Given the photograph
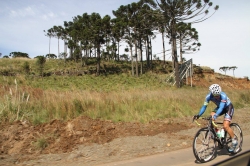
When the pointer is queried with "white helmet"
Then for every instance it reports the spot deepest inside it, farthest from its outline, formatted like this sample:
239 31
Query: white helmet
215 89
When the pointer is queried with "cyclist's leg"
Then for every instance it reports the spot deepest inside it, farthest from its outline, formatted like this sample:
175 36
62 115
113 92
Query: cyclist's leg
229 111
226 124
226 127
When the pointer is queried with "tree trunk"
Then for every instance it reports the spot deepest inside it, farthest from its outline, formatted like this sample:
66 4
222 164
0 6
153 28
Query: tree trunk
118 49
141 57
148 53
175 59
98 60
163 46
49 45
132 63
136 60
181 59
65 51
58 48
81 54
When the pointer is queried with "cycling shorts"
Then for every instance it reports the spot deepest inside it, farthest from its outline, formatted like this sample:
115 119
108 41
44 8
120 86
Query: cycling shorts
228 112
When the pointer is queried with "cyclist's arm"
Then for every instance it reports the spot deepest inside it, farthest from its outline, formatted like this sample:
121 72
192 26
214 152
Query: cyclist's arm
222 104
203 108
221 107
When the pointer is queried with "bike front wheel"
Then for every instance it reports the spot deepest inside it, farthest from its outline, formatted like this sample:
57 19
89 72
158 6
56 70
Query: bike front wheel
204 145
238 136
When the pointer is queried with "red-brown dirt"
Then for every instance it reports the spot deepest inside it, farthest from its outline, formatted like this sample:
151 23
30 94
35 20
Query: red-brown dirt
227 82
18 140
62 137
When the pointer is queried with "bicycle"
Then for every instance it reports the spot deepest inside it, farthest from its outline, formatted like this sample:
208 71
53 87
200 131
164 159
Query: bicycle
204 143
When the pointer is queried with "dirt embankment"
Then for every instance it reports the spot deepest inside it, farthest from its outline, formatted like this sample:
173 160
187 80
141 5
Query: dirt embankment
204 78
90 142
95 141
21 142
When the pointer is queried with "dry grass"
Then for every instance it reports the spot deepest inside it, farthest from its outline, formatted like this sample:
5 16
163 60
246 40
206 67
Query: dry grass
112 97
39 106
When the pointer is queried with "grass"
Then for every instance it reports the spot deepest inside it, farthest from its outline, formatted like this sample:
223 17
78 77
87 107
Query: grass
40 143
116 97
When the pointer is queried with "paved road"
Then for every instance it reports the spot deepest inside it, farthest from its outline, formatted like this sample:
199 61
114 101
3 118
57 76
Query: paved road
182 157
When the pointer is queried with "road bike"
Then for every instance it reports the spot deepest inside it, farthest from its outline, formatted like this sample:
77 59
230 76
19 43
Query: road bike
206 142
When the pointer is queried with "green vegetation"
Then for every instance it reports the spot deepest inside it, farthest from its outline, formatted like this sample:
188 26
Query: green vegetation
134 25
116 97
40 143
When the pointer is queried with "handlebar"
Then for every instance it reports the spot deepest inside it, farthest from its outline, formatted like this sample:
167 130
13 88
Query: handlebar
206 118
214 124
197 123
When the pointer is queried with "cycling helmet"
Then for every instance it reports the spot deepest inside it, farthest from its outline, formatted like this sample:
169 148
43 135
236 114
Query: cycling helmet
215 89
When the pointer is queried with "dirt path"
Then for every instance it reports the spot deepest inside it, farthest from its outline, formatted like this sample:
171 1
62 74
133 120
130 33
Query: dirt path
92 142
182 157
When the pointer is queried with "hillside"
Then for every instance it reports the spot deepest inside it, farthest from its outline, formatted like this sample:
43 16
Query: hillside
94 141
203 77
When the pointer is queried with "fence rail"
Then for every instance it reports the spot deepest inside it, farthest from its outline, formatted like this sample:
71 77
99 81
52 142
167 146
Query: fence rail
185 71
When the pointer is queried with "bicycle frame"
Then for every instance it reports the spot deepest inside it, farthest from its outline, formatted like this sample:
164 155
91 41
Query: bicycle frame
211 128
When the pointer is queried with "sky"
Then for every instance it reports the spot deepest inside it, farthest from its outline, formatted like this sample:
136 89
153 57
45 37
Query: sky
225 37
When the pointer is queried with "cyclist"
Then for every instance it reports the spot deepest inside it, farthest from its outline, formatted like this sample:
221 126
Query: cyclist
224 106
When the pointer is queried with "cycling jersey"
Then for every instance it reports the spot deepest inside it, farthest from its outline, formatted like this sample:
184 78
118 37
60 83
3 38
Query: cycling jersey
221 103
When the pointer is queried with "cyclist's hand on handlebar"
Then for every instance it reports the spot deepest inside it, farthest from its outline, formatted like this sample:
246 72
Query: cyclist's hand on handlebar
215 116
196 117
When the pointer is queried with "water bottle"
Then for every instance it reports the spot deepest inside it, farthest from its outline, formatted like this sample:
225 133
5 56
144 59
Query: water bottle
222 133
218 133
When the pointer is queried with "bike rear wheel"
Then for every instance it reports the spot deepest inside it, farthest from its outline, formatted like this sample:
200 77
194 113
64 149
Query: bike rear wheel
238 135
204 145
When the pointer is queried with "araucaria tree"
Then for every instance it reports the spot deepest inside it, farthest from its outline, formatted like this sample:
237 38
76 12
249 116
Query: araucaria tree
233 68
187 11
98 35
134 24
19 54
49 33
224 68
138 27
187 39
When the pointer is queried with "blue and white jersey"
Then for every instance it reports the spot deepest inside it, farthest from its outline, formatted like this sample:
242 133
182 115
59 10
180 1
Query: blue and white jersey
221 102
223 98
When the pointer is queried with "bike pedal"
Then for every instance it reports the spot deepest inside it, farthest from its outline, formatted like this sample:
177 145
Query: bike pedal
220 146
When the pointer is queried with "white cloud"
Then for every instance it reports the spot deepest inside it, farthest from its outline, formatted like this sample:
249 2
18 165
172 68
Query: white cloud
48 16
45 17
29 11
51 14
13 13
22 12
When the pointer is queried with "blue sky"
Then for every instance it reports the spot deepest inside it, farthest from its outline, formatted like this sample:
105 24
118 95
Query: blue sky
225 37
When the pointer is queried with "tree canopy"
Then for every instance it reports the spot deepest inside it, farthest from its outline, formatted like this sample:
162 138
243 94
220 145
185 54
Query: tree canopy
19 54
135 25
